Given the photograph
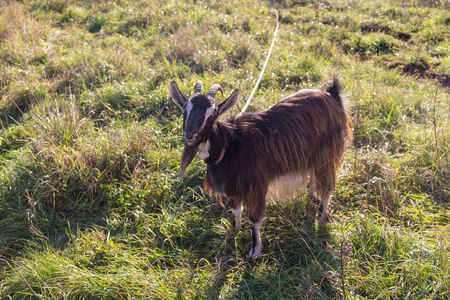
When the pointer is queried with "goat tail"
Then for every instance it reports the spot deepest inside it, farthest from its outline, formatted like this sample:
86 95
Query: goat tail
334 89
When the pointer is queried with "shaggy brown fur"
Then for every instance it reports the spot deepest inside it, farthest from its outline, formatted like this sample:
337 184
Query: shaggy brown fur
305 133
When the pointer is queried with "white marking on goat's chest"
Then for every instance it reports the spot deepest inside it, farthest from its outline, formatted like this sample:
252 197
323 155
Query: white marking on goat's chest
204 150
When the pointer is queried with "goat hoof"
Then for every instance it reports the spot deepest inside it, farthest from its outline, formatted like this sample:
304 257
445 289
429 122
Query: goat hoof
255 252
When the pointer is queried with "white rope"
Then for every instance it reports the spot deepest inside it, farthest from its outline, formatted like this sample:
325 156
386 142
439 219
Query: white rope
262 71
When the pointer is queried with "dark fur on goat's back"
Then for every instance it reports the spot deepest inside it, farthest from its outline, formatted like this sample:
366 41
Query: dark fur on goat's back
305 133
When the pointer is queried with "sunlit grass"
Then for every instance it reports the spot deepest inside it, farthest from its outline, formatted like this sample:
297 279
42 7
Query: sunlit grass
91 204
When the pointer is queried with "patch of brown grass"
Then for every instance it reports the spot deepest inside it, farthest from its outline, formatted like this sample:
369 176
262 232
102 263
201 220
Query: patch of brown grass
21 36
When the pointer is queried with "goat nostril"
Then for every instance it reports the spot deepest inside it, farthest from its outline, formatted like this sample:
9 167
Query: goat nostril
190 134
191 130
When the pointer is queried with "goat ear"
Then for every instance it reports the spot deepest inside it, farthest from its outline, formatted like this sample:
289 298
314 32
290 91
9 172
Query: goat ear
227 104
176 95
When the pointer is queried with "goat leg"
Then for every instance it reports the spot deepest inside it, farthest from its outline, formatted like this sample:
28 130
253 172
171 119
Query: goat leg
237 213
256 239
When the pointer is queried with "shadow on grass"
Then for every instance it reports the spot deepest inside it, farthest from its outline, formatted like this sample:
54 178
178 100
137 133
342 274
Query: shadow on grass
296 263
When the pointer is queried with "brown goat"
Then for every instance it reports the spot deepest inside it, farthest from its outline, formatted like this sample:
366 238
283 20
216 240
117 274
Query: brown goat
302 136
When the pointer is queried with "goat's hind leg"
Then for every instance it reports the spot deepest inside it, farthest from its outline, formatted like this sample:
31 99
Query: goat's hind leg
321 186
323 209
326 181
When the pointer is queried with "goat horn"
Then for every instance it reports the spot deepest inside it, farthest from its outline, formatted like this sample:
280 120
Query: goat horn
214 89
198 87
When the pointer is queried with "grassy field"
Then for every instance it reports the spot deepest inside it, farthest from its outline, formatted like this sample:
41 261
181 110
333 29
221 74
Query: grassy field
91 205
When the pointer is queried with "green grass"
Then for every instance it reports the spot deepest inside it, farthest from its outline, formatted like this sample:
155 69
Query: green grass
91 204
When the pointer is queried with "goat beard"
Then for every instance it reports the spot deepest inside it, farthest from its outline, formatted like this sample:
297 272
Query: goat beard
189 153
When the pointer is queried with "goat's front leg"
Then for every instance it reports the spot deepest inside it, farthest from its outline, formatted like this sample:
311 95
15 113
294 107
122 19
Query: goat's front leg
257 207
237 213
256 238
